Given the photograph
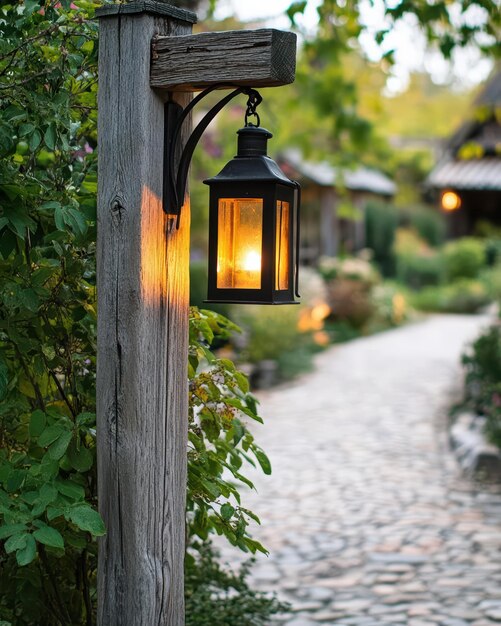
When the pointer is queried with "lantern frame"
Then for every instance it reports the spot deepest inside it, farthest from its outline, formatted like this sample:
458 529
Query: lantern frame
250 174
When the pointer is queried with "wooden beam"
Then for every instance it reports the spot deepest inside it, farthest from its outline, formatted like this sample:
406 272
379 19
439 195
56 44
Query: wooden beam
257 58
142 283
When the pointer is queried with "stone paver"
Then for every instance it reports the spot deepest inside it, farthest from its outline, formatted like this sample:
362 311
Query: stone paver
366 517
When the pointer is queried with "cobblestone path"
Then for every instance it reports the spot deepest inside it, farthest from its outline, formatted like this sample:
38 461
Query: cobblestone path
366 517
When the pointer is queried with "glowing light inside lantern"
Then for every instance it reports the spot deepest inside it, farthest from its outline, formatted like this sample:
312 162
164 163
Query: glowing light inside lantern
252 261
450 201
240 224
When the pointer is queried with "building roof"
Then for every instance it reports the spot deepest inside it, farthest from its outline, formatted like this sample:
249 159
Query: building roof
467 174
326 175
484 171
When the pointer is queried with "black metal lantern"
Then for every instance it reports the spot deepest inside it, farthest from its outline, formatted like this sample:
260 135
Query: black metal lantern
253 210
253 221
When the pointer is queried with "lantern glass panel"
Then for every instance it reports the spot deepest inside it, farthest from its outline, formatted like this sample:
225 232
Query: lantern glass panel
282 255
239 245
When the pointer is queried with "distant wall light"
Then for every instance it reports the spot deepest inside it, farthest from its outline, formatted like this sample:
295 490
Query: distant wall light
450 201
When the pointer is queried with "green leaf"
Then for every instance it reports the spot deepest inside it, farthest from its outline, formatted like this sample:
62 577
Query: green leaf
81 459
50 205
27 554
86 419
70 489
29 300
53 512
76 221
58 448
49 536
263 460
10 529
239 431
16 542
38 422
86 518
48 468
50 434
50 137
15 479
48 493
35 140
227 511
59 218
25 129
242 381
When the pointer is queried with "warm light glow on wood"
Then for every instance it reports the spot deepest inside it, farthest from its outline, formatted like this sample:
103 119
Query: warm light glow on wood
450 201
240 224
153 247
158 232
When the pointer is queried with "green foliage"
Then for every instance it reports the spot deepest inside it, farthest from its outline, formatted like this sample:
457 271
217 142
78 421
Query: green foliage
381 221
461 296
418 264
482 362
491 279
48 521
219 439
464 258
446 27
482 391
217 596
427 222
272 331
420 270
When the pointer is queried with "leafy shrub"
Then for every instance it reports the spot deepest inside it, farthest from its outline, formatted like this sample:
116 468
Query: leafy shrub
420 270
218 596
491 279
418 265
381 222
464 258
48 521
482 362
464 296
482 391
219 441
428 223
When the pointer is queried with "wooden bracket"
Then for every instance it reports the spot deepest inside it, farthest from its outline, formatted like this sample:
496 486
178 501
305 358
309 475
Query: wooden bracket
256 58
151 7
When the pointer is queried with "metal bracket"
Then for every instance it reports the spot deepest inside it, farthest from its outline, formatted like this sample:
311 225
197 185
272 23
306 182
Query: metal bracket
174 117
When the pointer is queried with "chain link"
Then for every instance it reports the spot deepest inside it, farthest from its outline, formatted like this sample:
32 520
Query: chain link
253 102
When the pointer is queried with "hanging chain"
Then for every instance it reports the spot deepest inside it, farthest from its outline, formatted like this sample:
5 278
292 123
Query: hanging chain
253 102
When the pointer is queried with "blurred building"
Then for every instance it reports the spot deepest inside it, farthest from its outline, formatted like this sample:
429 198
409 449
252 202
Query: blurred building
333 204
466 182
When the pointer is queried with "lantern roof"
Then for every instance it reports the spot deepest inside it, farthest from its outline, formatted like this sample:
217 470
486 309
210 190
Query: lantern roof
251 163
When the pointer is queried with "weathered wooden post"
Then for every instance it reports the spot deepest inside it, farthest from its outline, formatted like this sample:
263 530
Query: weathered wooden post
146 56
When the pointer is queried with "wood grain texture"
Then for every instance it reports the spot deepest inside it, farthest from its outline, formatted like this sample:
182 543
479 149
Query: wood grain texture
257 58
142 396
147 6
